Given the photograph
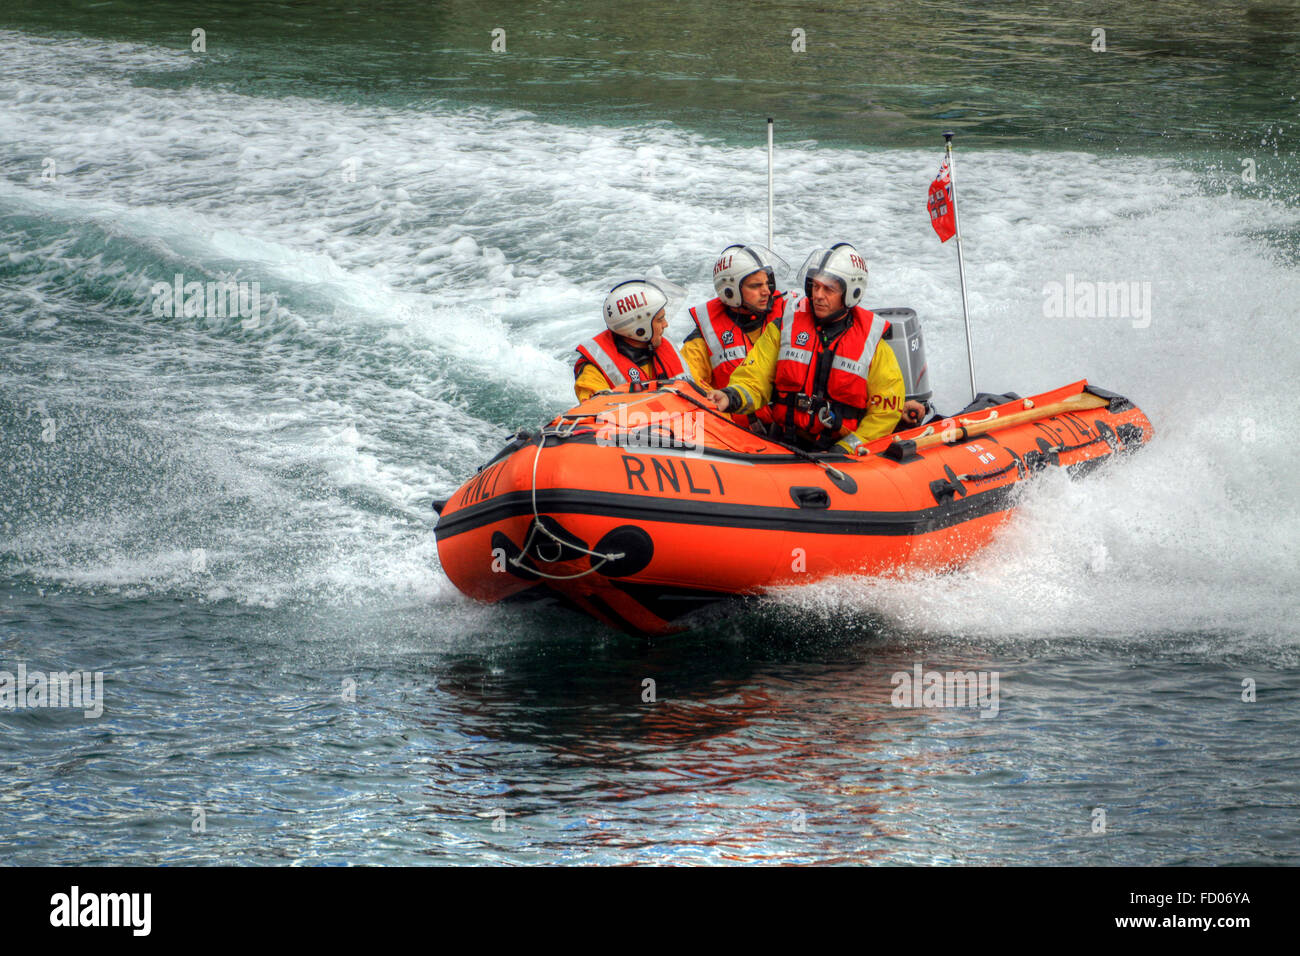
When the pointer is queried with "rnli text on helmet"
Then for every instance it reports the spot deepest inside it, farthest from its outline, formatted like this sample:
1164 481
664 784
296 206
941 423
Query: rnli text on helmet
631 303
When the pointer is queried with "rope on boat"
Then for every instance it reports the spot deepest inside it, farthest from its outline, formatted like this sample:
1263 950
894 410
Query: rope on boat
518 560
561 432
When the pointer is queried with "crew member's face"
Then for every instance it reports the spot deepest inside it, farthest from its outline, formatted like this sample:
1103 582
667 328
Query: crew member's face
827 299
658 326
755 293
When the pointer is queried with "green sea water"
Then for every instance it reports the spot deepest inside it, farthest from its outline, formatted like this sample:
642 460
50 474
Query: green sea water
1170 76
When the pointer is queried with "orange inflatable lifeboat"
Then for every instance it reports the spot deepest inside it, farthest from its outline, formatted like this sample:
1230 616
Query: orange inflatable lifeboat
643 506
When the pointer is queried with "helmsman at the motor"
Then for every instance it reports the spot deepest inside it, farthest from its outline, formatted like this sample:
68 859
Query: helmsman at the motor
824 366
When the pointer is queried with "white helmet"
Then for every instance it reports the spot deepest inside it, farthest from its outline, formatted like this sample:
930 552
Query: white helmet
842 263
631 306
737 263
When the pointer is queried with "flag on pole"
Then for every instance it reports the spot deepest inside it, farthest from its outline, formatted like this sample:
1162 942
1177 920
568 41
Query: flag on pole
942 214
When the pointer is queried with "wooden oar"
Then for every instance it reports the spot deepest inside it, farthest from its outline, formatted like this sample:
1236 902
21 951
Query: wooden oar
962 428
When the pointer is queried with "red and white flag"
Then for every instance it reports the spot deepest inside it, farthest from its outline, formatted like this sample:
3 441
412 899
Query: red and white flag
942 214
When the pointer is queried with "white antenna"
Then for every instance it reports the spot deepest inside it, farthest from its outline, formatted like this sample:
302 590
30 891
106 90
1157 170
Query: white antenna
961 265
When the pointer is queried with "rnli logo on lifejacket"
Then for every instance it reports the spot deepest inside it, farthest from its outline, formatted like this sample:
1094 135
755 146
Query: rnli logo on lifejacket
801 338
728 337
858 262
635 301
723 263
634 374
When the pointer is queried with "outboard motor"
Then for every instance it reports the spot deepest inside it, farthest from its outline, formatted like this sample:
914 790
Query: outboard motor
909 348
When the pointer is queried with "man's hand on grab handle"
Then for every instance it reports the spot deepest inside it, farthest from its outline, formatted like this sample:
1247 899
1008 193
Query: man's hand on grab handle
719 399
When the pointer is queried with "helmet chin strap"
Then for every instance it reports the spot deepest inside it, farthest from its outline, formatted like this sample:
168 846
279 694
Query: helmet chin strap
749 318
637 350
832 318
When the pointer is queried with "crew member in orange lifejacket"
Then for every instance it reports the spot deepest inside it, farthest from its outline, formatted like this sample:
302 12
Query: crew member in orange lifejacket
824 366
633 348
726 327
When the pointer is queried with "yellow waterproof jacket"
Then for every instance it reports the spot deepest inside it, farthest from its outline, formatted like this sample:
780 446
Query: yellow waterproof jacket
590 380
753 379
695 353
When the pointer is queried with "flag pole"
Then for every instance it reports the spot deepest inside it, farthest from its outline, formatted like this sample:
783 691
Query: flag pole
961 265
769 182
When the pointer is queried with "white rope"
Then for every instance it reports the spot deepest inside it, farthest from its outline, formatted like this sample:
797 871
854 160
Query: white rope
518 561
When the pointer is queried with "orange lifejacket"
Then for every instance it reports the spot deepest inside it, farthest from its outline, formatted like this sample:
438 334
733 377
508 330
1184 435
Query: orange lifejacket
845 390
728 346
618 369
